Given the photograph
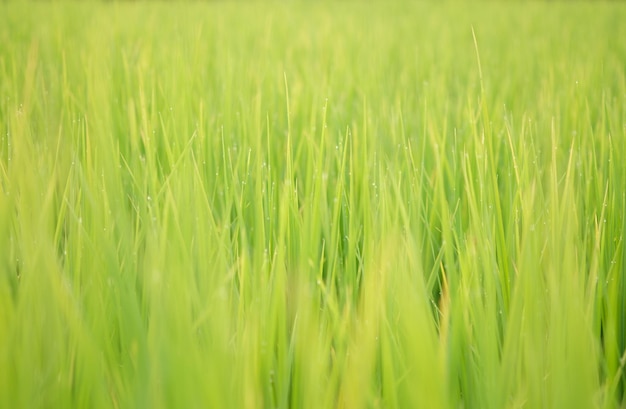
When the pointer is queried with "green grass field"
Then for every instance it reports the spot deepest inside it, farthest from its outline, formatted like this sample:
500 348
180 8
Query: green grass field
337 205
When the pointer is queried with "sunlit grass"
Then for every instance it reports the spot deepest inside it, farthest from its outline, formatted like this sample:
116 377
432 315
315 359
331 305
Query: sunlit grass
254 205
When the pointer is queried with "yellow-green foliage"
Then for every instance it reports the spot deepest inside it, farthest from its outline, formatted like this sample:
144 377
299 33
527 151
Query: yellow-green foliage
349 205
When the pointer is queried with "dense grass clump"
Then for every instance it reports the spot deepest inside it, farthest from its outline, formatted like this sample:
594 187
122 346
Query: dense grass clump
341 205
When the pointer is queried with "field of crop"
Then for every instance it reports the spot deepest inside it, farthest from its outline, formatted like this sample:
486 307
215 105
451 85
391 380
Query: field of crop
334 205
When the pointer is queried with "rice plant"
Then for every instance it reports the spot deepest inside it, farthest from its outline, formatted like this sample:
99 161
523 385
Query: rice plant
336 205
